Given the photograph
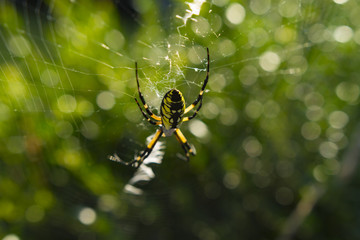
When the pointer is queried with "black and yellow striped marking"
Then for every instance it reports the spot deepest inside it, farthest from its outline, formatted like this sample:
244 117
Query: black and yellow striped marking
199 98
172 109
149 148
145 116
152 115
185 145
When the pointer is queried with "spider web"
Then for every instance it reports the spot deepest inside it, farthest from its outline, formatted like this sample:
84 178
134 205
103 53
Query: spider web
68 81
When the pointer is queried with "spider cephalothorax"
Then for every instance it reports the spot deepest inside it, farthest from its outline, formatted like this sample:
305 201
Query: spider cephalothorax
172 111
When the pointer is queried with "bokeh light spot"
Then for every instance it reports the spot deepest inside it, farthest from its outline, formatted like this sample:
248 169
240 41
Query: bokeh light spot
314 113
316 33
198 128
11 236
285 35
235 13
258 37
228 116
227 47
194 54
85 108
328 149
70 159
216 22
231 179
289 8
343 34
338 119
269 61
319 173
50 78
357 36
310 130
79 40
200 26
252 146
211 110
87 216
260 7
217 82
314 99
19 46
105 100
34 213
254 109
66 103
348 91
340 1
107 202
115 39
220 3
248 75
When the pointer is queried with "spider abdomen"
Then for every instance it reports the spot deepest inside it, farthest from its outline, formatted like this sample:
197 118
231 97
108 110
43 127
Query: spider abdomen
172 109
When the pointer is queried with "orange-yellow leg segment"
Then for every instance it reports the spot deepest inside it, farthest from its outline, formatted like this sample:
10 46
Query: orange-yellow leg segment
195 113
152 115
199 98
146 117
185 145
140 159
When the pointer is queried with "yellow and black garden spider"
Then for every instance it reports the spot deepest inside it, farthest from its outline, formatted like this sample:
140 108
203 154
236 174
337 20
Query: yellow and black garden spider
172 110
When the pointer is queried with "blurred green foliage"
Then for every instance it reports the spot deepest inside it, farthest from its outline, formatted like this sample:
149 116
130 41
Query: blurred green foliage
277 138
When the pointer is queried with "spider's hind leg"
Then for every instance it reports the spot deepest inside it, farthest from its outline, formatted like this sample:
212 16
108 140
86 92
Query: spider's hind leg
184 144
144 154
140 159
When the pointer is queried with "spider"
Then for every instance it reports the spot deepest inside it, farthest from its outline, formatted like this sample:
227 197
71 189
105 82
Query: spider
172 110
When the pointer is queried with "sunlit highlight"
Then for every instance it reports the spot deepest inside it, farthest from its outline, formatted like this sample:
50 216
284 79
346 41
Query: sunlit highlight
269 61
194 10
340 1
235 13
11 237
343 34
87 216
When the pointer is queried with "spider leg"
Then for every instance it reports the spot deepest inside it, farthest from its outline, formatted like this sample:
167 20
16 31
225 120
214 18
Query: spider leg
185 145
199 98
142 97
146 117
140 159
195 113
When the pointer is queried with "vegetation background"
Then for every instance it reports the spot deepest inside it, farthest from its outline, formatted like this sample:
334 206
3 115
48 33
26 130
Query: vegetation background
277 139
